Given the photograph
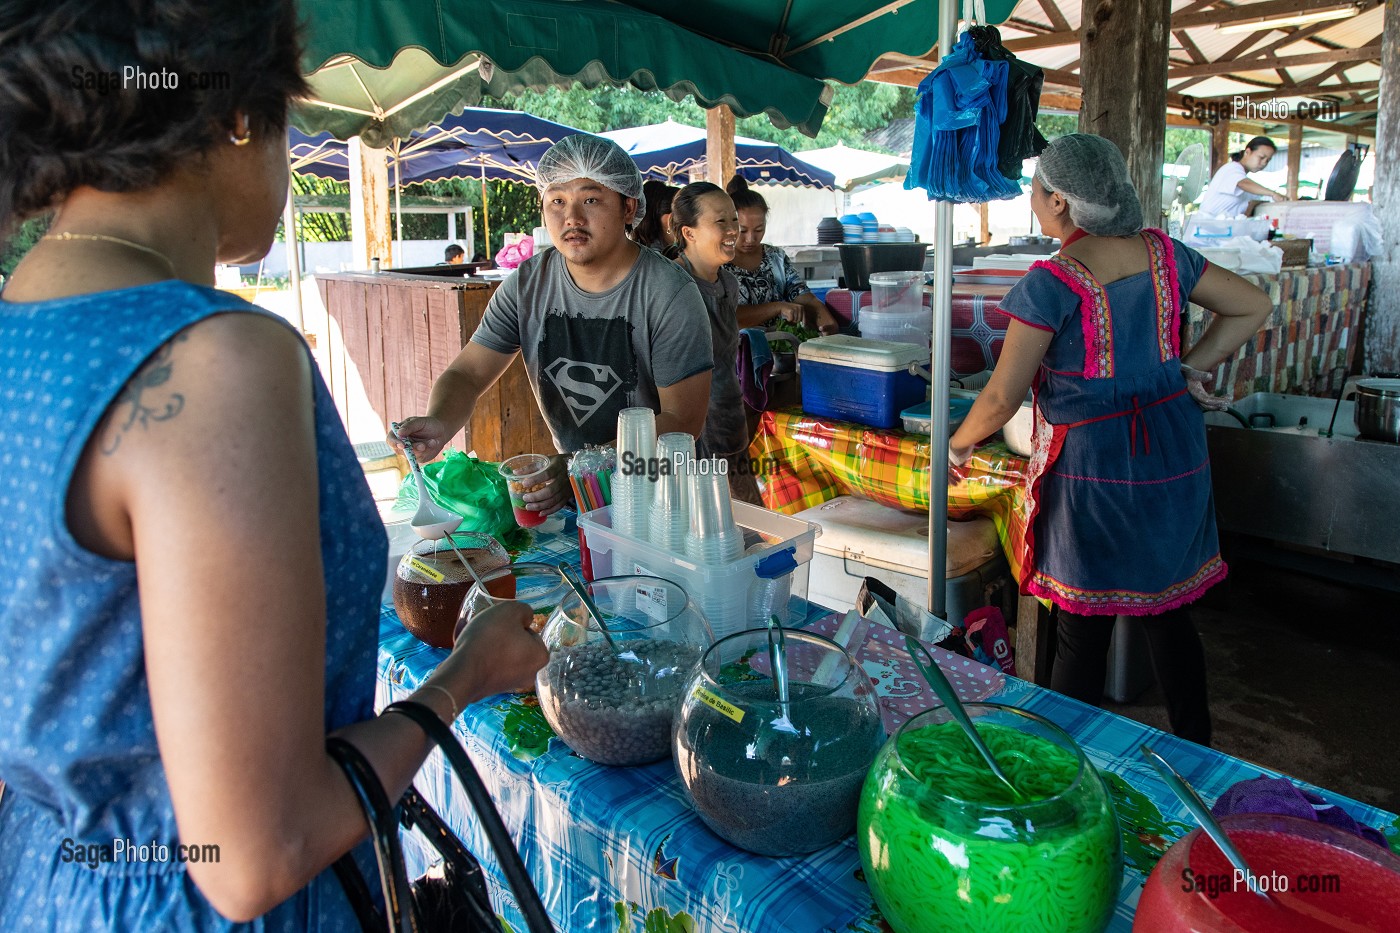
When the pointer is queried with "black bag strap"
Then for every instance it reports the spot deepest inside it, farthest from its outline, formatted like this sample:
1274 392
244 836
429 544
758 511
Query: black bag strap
384 832
528 899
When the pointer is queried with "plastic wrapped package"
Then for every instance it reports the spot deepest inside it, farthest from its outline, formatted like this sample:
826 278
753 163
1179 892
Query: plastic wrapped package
809 460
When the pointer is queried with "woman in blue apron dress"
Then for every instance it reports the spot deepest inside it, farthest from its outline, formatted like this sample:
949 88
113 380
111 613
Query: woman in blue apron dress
1120 518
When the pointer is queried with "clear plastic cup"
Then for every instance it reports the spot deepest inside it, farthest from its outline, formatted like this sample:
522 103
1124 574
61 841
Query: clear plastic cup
636 439
670 520
710 509
523 474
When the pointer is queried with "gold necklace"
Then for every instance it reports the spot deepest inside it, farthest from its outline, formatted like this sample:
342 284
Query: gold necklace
66 237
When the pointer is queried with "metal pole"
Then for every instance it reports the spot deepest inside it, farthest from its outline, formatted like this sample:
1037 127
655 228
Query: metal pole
485 216
939 368
398 205
290 238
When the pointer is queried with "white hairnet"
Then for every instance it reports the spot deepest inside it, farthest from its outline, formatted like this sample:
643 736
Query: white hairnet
1090 174
594 158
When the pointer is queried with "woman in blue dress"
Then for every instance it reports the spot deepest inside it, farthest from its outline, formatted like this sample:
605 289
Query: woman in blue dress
1120 515
191 556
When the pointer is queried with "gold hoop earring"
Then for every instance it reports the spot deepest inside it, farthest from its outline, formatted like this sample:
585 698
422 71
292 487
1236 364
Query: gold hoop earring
243 140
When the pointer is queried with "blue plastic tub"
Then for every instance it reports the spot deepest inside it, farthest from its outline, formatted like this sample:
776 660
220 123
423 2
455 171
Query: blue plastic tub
866 381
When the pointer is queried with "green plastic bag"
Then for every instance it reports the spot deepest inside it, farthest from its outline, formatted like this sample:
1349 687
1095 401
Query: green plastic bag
470 487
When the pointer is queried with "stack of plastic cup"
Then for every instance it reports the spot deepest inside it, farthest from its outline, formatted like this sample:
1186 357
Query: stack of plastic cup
716 540
631 487
670 511
713 536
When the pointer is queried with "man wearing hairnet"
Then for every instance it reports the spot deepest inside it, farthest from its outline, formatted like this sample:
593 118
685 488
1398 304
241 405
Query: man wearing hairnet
601 323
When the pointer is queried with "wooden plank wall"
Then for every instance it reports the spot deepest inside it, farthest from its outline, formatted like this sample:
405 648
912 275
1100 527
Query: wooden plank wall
397 334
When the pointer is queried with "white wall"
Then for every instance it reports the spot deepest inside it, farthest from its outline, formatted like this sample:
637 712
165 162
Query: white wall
793 213
337 257
892 204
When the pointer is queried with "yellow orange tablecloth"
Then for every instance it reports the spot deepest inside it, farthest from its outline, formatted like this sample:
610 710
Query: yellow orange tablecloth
803 461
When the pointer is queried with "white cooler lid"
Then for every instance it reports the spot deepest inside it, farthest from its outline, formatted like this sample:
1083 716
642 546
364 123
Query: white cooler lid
880 355
891 539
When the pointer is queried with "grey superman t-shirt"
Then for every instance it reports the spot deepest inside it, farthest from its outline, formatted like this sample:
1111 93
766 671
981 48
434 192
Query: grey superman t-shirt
590 355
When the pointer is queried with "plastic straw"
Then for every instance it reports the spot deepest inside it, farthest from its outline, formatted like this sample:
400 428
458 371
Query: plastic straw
595 490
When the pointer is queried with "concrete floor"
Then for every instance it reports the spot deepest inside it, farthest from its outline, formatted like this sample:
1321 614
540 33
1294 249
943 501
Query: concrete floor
1304 677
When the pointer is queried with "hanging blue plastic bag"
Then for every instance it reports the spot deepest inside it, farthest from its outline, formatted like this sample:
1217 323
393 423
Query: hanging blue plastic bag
957 127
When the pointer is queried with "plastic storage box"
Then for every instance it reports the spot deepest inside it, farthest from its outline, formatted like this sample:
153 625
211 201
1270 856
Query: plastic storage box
863 539
866 381
918 420
734 596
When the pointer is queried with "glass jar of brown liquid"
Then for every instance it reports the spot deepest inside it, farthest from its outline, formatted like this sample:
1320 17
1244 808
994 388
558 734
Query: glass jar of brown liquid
431 583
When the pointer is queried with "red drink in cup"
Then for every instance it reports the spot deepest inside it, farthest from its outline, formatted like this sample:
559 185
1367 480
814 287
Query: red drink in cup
1318 877
523 474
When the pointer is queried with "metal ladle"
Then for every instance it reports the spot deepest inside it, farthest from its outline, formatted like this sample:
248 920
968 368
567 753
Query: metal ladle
431 521
1202 813
949 696
777 659
591 607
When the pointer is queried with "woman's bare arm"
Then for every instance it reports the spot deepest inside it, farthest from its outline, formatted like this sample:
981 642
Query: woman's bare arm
220 502
1020 358
1240 309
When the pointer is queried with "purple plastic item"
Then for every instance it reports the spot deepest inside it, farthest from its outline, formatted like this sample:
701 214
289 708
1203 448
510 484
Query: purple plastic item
1280 796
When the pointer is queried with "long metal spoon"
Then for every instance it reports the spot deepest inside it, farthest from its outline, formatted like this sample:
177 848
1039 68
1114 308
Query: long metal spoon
949 696
588 603
777 659
1202 813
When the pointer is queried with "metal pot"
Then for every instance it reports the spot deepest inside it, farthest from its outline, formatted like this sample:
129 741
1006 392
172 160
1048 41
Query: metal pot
1377 412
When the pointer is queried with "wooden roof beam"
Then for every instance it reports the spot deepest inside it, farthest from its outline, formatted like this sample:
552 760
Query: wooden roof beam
1222 16
1306 90
1365 53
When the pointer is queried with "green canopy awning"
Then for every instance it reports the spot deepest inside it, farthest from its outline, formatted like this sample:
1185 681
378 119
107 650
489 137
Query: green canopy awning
828 39
381 70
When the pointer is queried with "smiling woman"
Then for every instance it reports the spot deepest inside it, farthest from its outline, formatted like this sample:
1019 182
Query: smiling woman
705 226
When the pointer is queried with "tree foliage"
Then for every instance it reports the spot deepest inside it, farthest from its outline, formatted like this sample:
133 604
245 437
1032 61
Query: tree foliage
317 227
20 242
855 111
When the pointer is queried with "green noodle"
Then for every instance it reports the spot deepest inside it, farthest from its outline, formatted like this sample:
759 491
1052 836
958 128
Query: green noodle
936 865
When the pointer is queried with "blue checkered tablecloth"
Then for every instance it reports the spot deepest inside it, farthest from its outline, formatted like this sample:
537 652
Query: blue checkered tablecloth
619 848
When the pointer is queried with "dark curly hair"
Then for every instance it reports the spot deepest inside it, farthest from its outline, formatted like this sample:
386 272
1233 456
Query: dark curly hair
744 196
70 115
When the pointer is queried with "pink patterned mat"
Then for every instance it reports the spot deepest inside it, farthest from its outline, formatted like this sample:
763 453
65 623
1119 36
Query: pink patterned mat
902 692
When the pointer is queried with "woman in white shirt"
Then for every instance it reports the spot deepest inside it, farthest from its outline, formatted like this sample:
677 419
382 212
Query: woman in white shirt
1230 193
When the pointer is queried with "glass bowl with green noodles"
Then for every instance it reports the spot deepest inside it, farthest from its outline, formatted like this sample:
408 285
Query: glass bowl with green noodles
946 846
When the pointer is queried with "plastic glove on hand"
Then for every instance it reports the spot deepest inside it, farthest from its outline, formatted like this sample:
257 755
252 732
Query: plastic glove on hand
1196 382
957 462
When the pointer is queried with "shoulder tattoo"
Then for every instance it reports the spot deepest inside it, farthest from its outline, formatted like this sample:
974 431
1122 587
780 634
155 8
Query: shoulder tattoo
145 398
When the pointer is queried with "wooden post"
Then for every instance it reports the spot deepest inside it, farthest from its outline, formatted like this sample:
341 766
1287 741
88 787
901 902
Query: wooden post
1219 146
985 234
369 205
719 145
1295 158
1382 344
1123 48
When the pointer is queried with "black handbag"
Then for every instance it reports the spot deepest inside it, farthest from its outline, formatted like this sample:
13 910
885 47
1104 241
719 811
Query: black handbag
455 900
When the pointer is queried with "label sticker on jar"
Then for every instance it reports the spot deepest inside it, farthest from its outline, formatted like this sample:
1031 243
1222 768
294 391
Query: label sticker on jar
425 570
718 705
651 599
